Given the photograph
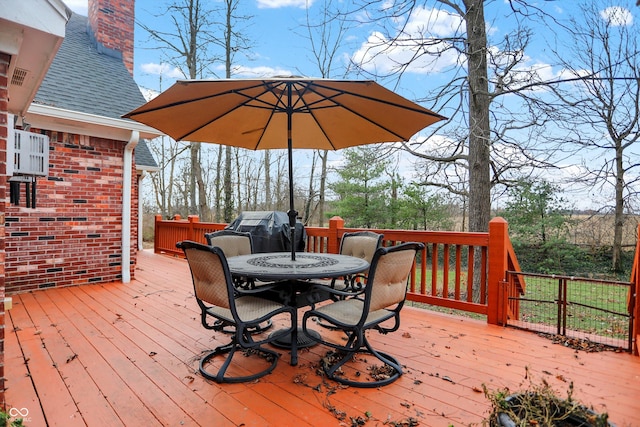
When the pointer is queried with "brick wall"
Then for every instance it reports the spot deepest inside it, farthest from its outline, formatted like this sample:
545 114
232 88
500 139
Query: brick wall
4 85
73 236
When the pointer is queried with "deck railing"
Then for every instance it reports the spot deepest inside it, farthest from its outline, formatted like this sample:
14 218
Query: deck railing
457 270
632 300
169 232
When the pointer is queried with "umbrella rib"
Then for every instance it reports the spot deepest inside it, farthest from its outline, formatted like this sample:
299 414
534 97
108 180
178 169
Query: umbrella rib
365 118
246 103
377 100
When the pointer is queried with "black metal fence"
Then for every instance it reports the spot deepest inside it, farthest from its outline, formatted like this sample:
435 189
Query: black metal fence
591 310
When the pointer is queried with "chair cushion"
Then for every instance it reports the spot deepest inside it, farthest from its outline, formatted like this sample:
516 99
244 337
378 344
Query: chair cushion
349 311
390 282
232 245
249 309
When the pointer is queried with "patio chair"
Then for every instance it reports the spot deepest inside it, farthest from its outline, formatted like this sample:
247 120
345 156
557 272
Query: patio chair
235 243
381 300
217 299
361 244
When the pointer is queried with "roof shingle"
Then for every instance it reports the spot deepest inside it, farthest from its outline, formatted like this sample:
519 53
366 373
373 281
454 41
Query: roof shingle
87 78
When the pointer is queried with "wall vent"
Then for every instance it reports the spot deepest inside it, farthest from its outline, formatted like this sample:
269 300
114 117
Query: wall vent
19 76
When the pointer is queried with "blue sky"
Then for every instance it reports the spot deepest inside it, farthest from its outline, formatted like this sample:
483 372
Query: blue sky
277 29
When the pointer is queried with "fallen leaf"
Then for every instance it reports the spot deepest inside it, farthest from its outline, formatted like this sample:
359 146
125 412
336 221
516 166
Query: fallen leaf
446 378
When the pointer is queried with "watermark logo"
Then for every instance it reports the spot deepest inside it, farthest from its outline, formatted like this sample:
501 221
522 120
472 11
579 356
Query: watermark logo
20 413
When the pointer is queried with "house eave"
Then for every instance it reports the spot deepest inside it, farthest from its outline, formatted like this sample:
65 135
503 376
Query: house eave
61 120
32 34
146 168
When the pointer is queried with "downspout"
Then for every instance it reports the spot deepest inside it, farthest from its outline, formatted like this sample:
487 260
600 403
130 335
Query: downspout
140 211
127 180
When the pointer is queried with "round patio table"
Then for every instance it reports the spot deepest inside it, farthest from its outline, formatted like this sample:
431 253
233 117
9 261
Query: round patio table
279 267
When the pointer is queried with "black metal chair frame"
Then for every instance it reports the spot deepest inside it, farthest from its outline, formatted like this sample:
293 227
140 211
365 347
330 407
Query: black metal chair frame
355 282
244 330
357 341
243 285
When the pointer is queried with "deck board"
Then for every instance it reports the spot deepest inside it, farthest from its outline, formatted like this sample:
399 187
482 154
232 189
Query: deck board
127 354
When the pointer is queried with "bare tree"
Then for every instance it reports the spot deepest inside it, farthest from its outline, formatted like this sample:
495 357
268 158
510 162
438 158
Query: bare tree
234 41
599 108
166 152
188 46
450 38
326 32
267 180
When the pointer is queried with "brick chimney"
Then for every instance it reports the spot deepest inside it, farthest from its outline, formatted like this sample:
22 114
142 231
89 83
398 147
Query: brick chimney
112 23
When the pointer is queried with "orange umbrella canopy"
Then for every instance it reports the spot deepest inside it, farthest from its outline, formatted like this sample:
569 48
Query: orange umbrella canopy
284 113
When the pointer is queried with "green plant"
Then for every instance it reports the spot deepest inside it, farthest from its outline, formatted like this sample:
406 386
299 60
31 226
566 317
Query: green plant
5 420
539 405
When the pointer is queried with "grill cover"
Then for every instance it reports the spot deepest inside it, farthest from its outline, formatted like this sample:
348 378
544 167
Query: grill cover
270 231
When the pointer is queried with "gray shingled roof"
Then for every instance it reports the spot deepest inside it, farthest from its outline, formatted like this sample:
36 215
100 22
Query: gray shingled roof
144 157
82 78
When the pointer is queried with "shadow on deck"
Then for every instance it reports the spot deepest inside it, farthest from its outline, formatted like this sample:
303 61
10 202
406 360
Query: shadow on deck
127 354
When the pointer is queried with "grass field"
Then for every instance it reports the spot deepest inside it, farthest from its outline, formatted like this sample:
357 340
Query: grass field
593 310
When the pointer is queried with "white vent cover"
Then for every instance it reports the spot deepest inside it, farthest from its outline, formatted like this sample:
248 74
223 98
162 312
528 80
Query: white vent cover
27 153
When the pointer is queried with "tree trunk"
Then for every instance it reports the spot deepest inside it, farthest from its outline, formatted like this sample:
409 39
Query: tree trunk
479 130
323 183
218 182
228 189
267 181
194 151
619 211
203 205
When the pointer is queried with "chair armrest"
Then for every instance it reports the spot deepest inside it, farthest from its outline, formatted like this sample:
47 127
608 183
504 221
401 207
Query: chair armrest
320 288
262 288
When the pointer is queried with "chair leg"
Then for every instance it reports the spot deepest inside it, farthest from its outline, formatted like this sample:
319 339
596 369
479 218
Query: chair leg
230 349
331 370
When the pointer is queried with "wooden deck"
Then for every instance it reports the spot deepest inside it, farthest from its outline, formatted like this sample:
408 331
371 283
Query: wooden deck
126 354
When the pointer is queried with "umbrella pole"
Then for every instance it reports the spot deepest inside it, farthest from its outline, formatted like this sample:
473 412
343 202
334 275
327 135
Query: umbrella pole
293 215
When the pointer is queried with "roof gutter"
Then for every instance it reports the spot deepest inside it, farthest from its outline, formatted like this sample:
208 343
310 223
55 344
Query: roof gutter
54 118
127 180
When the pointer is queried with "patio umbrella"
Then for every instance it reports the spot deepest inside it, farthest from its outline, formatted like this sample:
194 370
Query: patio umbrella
287 112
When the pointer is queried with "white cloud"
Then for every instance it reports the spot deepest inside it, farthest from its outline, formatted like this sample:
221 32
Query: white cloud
617 16
429 23
163 69
417 48
379 54
277 4
149 94
258 72
78 6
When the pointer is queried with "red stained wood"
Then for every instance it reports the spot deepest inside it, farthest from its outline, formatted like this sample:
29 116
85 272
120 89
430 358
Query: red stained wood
127 354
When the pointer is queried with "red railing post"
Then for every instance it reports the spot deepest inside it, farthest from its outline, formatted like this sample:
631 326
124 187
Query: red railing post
634 290
191 234
156 233
498 236
333 244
